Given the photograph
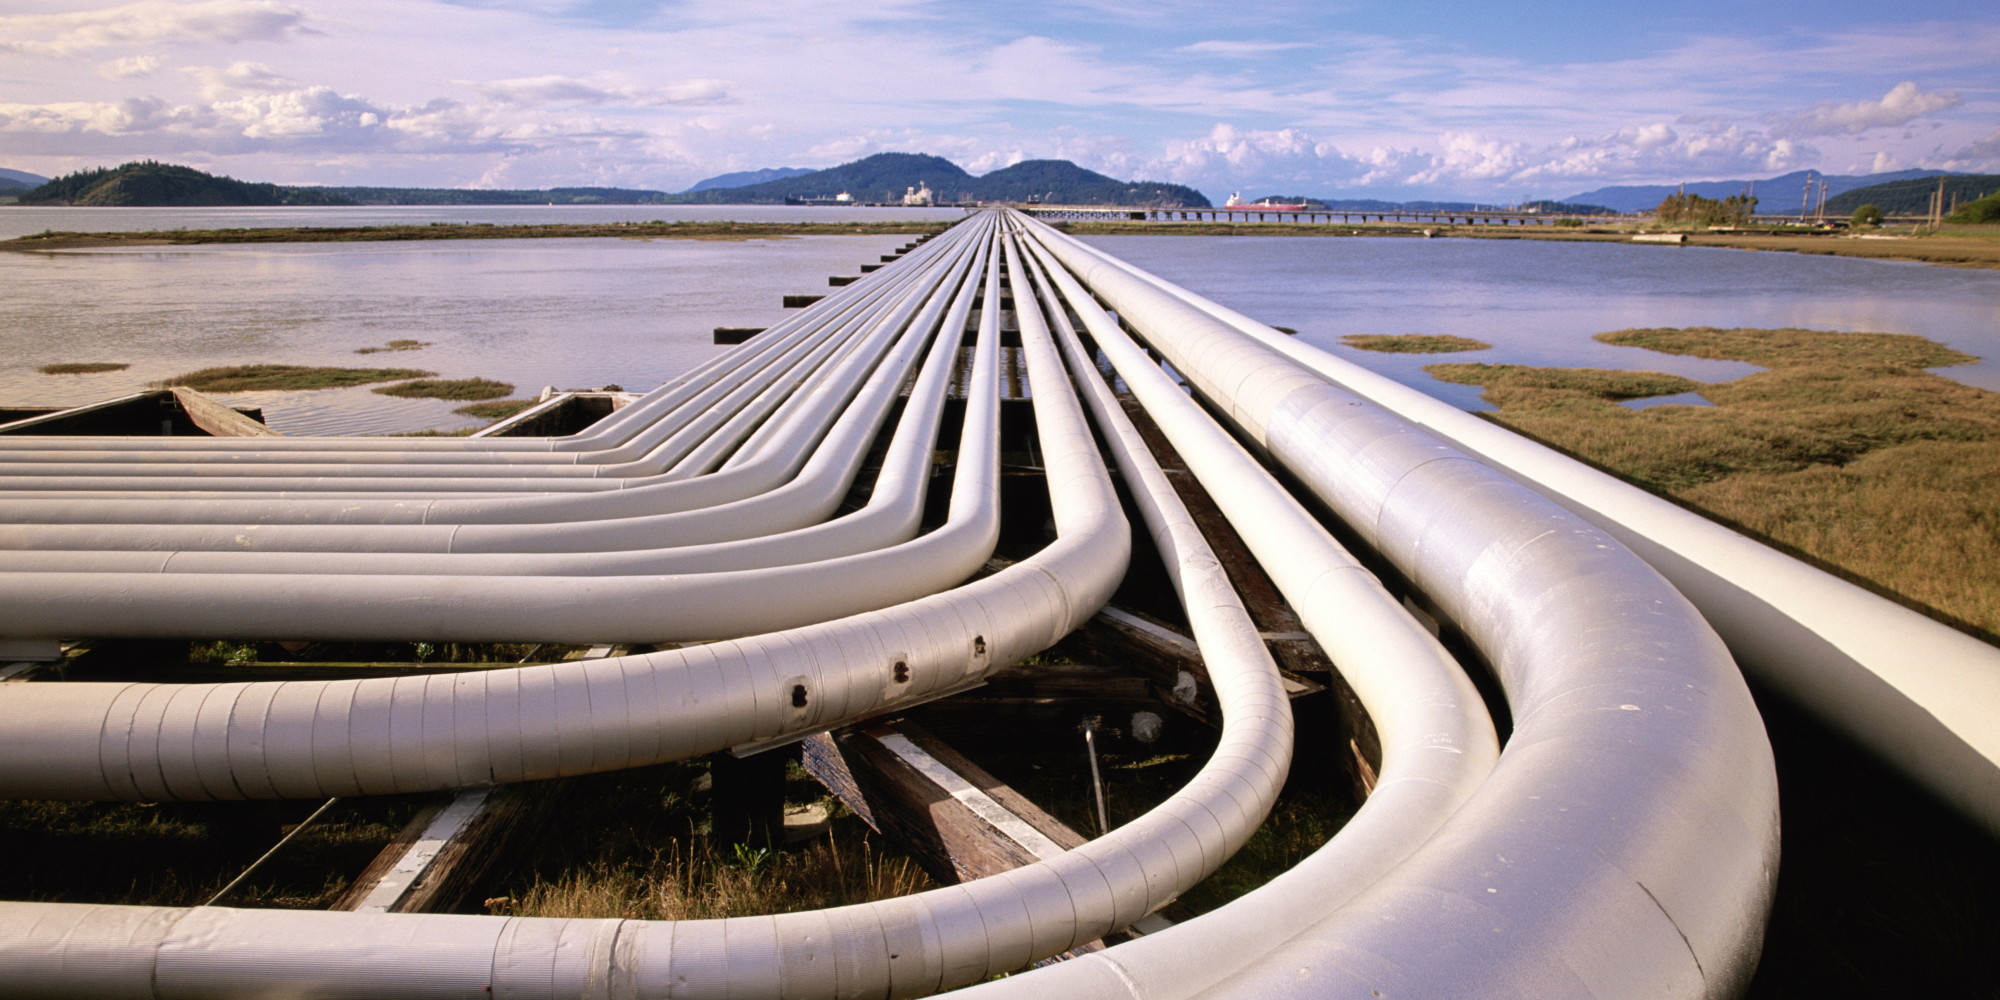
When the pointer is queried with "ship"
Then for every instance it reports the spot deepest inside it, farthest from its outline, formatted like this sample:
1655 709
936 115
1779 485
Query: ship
1236 201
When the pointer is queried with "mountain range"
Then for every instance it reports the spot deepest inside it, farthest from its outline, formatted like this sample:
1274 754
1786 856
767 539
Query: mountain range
1775 195
20 180
887 176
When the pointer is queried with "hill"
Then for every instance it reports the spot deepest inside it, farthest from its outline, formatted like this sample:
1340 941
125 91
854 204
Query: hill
1913 197
744 178
886 176
1780 194
148 183
20 180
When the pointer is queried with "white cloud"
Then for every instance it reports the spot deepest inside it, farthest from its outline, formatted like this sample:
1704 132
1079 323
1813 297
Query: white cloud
1240 50
129 68
559 89
151 22
240 77
1903 104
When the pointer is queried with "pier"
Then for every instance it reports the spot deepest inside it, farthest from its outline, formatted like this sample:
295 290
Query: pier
933 471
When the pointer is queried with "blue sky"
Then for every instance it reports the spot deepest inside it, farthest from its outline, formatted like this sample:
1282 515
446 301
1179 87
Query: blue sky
1485 102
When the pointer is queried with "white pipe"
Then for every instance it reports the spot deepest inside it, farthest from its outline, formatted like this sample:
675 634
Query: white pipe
1915 692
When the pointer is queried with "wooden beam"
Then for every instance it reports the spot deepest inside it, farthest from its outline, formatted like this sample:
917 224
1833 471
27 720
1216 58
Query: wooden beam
216 419
955 818
449 852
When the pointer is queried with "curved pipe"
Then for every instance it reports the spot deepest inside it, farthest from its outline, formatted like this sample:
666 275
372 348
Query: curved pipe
1636 744
1915 692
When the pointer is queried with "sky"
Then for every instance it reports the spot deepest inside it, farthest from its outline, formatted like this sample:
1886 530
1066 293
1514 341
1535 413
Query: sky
1406 99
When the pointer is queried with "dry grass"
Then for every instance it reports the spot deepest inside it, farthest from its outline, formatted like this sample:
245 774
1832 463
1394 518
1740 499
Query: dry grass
694 880
83 367
245 378
1413 343
1844 452
449 388
649 856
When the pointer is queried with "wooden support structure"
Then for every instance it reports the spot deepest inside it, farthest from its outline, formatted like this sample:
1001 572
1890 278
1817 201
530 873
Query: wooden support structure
801 301
957 820
154 413
216 419
727 335
840 280
445 856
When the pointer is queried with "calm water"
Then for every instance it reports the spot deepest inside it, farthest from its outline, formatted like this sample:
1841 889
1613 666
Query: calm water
1540 303
572 313
16 220
587 312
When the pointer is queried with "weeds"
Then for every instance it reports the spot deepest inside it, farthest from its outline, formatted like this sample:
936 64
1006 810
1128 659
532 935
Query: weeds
83 367
395 345
452 388
246 378
1413 343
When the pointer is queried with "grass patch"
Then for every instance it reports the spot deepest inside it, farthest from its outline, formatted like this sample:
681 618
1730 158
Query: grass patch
650 857
83 367
395 345
495 409
1413 343
245 378
449 388
1844 452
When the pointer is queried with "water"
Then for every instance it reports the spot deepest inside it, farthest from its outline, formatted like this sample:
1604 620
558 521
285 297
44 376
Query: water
569 312
1539 303
585 312
17 220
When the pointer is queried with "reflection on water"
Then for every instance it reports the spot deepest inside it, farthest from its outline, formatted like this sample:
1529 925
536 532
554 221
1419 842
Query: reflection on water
586 312
1539 303
573 313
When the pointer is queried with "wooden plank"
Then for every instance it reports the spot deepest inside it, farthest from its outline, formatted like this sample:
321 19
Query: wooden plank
216 419
955 818
447 854
730 335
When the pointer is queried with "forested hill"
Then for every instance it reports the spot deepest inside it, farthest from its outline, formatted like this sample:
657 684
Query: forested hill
147 183
884 177
1913 197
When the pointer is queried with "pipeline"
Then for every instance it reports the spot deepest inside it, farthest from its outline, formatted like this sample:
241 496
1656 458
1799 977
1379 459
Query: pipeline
1622 843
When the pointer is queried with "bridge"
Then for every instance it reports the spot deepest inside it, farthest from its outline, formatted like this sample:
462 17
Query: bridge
1308 216
1621 840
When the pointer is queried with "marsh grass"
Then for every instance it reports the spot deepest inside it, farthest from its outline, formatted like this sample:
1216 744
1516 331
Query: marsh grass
1844 452
395 345
1413 343
83 367
245 378
495 409
449 388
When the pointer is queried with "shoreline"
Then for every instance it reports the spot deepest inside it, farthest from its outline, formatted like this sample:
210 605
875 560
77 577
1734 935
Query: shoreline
1980 251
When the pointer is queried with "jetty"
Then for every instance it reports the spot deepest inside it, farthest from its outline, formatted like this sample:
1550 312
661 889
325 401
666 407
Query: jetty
998 442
